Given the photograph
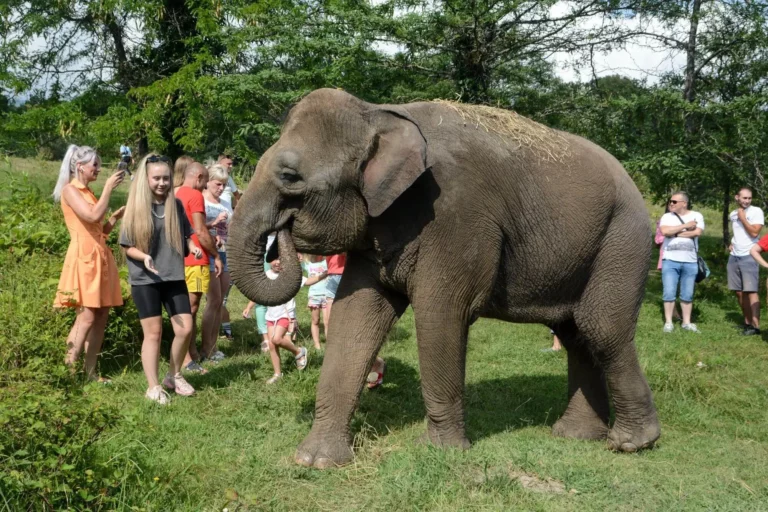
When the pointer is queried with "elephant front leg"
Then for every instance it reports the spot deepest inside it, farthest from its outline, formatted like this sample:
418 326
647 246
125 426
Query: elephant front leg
362 316
442 338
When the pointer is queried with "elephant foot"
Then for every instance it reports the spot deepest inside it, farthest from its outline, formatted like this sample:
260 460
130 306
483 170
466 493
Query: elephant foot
324 451
580 428
623 439
444 440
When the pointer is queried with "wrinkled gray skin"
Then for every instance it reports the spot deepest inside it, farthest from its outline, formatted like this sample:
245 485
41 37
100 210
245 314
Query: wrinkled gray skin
441 214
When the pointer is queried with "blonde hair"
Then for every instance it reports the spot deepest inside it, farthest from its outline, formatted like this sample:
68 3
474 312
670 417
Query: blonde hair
218 172
68 170
179 168
137 221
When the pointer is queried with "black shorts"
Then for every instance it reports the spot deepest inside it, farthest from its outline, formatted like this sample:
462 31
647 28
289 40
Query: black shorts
150 299
126 159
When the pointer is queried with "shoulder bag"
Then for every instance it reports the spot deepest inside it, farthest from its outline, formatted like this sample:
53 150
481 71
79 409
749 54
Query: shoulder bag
701 265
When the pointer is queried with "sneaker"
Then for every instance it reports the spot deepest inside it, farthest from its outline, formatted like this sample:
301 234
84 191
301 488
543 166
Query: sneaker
750 331
691 328
182 387
276 377
670 327
195 367
742 327
218 356
169 383
265 346
301 359
158 395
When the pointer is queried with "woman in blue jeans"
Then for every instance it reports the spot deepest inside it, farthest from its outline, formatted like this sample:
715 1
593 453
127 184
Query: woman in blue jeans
681 228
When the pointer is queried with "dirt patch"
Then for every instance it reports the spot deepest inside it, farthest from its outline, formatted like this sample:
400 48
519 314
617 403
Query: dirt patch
536 484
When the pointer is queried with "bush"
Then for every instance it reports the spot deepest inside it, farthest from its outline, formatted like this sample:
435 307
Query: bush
48 427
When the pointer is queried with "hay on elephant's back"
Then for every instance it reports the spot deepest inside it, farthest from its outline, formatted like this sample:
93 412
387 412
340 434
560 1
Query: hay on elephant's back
511 126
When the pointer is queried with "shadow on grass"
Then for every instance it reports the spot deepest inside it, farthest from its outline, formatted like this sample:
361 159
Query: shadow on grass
492 406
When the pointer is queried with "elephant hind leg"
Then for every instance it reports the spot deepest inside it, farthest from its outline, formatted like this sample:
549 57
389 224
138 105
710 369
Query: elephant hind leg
588 409
606 318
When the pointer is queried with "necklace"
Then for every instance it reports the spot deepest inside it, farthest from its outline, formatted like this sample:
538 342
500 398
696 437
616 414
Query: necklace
156 215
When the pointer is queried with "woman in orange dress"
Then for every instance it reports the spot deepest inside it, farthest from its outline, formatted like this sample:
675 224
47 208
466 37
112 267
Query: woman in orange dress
89 281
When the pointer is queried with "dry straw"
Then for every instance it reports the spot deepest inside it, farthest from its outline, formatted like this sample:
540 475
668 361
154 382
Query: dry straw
549 144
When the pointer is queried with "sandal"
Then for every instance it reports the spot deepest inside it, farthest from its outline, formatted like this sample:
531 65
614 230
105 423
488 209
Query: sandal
265 346
301 359
376 379
276 377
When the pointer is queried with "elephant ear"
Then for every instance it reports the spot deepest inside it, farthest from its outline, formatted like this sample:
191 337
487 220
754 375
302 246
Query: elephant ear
397 157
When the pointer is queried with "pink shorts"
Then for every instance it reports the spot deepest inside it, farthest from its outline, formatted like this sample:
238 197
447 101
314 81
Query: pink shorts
283 322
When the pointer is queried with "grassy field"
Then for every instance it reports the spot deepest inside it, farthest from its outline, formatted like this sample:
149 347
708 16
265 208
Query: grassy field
232 445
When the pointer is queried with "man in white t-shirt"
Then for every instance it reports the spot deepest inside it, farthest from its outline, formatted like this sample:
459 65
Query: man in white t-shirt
681 229
743 270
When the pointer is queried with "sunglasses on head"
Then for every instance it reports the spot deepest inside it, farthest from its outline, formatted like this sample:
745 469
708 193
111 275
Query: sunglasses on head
153 159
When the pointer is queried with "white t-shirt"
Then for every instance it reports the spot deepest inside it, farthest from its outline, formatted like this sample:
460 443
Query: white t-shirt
287 310
741 241
212 210
680 249
229 189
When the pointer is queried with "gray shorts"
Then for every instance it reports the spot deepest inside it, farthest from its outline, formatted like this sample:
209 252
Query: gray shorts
743 274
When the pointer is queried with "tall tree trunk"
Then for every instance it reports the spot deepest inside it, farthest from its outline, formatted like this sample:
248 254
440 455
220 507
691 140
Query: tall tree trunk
689 91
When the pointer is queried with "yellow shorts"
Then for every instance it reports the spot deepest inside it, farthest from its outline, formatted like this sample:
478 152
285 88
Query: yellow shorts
198 278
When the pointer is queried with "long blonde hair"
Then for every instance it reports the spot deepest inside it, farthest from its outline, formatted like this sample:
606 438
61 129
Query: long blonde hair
178 169
68 170
137 221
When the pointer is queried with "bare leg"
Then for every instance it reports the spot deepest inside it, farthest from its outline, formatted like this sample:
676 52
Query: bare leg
79 333
750 305
182 332
150 348
94 341
210 326
556 343
326 315
194 304
315 328
687 307
669 308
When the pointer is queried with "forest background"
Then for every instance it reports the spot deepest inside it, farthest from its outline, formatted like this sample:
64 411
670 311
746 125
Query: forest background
206 76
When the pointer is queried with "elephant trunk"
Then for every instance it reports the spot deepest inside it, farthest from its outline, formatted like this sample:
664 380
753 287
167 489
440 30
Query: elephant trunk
246 251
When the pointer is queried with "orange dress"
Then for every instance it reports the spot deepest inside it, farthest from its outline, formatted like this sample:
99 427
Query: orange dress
89 277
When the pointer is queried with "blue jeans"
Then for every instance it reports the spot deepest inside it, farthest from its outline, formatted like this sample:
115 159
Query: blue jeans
674 273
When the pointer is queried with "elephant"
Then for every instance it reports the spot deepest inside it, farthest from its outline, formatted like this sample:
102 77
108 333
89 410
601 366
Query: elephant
461 212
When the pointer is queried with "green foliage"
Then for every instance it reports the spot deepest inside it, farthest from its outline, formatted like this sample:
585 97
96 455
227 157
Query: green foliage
49 425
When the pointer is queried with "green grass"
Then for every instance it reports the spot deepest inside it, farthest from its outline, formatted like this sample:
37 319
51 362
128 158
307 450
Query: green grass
232 445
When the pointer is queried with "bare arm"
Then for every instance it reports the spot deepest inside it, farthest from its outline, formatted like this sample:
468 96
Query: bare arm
674 230
205 238
112 220
752 229
756 253
86 211
691 234
316 279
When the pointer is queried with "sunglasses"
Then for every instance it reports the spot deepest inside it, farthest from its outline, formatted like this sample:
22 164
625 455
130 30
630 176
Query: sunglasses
674 201
153 159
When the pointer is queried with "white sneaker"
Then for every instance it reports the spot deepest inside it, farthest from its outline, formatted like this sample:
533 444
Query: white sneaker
669 327
691 328
157 394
